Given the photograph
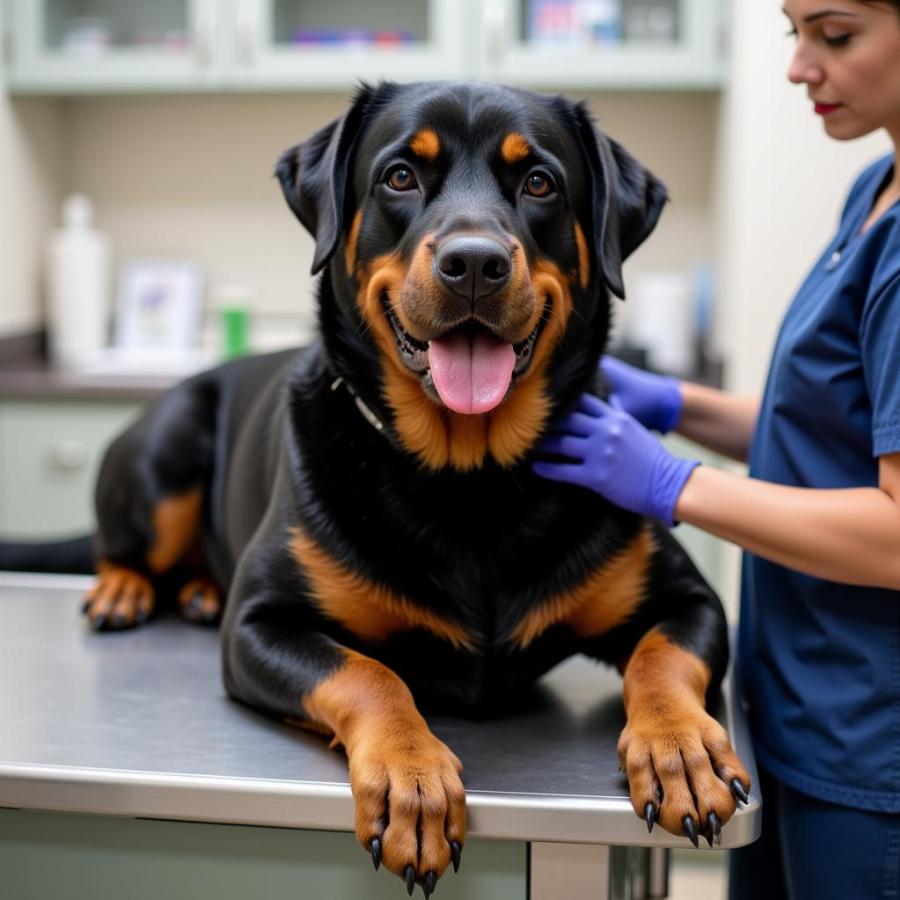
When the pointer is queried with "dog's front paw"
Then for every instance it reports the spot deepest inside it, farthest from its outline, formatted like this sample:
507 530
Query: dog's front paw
410 803
682 772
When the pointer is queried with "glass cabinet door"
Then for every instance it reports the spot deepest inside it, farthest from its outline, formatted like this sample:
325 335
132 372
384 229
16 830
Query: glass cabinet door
336 43
603 43
85 44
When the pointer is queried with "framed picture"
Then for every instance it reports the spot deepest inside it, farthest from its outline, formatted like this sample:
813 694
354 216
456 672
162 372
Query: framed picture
159 305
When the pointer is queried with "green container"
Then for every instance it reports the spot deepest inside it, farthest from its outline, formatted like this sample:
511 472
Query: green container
236 331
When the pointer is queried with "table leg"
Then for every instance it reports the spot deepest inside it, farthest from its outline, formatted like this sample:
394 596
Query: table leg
573 871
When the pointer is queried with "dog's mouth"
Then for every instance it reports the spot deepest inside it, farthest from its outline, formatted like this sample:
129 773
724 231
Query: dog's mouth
468 368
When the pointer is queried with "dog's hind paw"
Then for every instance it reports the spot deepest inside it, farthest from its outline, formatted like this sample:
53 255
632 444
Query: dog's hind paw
200 600
120 598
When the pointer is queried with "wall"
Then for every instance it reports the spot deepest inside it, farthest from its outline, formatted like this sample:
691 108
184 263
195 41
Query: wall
30 183
192 176
783 182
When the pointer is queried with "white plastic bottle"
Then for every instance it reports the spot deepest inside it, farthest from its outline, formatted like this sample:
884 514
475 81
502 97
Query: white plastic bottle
77 286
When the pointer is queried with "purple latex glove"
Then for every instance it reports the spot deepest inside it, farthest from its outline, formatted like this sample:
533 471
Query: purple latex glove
614 455
654 400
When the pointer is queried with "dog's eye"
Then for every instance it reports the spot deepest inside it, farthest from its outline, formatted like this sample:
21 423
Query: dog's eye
401 179
537 184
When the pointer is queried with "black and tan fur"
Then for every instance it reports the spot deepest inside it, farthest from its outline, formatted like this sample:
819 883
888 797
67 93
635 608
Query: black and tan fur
367 569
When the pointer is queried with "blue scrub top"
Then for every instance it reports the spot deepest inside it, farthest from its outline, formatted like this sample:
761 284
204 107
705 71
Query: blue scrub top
819 661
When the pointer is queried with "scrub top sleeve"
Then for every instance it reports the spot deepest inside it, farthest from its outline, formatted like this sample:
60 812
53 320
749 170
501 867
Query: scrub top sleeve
880 345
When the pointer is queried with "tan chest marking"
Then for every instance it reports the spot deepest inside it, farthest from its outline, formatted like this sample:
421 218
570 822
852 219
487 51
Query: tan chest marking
604 600
370 610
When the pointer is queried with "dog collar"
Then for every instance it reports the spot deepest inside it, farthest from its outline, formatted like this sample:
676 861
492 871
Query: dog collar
366 412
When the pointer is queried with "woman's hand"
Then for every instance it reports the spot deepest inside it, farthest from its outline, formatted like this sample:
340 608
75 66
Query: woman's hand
610 452
654 400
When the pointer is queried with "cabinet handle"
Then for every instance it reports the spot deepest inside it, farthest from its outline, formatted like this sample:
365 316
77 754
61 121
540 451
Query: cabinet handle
495 31
248 31
67 456
204 26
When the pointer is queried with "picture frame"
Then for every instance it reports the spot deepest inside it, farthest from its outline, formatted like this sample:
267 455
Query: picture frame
159 305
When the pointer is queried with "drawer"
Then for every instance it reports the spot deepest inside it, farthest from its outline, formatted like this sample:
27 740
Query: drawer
50 452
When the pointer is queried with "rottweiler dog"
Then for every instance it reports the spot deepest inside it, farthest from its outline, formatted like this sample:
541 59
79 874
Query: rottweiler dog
366 503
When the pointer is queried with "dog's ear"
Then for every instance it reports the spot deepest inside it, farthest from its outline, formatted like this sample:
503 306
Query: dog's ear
627 200
314 174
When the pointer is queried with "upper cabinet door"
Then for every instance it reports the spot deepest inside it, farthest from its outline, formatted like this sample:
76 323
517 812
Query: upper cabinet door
107 46
81 46
603 44
334 44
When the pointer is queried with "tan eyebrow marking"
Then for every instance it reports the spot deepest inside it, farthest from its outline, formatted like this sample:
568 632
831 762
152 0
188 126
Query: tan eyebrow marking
426 143
514 148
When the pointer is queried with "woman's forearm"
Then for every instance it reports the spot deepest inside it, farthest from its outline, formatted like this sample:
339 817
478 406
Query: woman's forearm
851 536
722 422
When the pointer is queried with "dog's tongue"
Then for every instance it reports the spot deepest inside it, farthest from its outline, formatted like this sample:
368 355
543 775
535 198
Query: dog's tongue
471 374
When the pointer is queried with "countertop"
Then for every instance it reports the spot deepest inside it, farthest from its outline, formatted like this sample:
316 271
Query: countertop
25 374
40 382
137 724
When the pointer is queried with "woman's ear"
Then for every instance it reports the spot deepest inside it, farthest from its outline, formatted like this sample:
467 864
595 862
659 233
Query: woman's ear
627 200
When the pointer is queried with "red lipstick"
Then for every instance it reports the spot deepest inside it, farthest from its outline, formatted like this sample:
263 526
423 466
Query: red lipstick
825 109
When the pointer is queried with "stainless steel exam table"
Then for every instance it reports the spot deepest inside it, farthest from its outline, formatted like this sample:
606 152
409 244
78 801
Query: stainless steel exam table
114 748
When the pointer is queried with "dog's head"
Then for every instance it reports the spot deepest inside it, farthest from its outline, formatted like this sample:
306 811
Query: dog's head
471 235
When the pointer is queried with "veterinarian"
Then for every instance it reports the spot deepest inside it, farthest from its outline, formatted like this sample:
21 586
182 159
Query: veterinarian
819 514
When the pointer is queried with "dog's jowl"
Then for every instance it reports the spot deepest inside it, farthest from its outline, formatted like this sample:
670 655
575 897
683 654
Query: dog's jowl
366 504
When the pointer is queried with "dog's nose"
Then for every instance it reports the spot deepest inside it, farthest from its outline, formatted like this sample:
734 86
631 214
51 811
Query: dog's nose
473 266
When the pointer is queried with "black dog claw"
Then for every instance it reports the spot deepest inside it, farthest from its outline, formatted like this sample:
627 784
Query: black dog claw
713 829
650 817
409 876
375 850
739 791
690 829
455 854
428 884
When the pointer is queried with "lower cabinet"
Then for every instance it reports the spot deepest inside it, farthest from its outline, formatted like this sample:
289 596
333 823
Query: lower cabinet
49 855
50 452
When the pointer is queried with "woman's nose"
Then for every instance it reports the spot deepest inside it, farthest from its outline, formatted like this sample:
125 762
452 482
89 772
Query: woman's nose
803 69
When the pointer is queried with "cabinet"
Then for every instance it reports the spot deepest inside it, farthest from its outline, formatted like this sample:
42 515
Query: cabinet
50 452
67 47
85 46
72 47
653 44
290 44
88 857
